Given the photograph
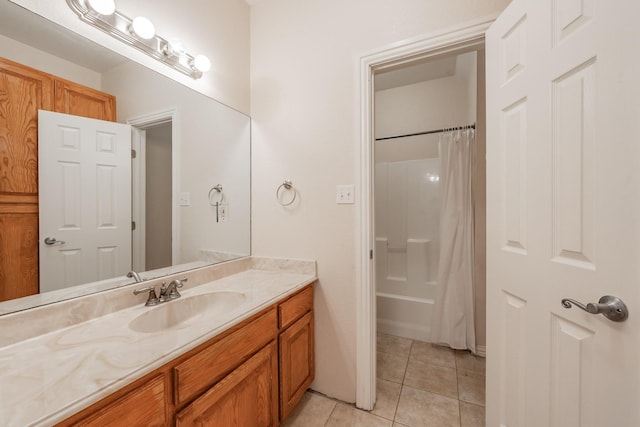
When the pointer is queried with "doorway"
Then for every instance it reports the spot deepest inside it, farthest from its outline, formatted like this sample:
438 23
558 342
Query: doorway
414 107
155 181
453 42
158 172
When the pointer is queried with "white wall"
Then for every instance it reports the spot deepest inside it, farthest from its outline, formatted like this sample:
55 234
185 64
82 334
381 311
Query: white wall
216 28
43 61
305 111
214 149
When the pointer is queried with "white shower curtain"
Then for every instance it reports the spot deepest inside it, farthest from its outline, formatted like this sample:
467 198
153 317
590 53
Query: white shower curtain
453 314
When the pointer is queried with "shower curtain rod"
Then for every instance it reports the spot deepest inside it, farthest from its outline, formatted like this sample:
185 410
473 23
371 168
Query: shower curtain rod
473 126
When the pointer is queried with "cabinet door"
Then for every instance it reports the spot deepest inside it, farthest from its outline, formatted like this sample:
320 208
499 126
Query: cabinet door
23 91
247 397
144 406
297 363
78 100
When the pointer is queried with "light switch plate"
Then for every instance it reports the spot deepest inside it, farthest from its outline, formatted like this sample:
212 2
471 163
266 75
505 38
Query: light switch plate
344 194
184 199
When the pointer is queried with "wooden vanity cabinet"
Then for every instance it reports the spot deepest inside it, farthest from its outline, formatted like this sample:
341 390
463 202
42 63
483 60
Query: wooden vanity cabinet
24 91
296 345
250 375
143 406
248 396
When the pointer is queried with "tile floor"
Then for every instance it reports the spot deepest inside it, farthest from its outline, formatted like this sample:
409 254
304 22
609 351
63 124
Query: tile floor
419 384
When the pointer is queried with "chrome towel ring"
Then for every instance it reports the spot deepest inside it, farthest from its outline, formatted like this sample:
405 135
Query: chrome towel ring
287 185
219 195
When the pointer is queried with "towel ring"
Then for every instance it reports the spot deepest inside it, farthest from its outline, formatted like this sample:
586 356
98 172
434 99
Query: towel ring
218 190
286 185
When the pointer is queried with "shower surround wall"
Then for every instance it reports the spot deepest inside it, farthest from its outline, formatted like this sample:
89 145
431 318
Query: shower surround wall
407 245
407 193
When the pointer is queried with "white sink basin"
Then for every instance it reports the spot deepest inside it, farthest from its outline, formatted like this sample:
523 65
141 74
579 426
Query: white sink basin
175 313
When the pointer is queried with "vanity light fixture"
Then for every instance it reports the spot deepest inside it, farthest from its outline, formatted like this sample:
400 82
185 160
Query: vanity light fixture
139 33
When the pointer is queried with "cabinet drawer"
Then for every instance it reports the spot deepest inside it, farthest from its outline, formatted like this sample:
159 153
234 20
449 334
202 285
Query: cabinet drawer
144 406
202 370
295 307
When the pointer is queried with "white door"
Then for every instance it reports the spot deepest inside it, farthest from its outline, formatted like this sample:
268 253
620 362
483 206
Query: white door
84 176
563 209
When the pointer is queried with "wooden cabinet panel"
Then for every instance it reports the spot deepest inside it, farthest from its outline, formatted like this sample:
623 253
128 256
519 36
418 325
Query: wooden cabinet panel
78 100
207 367
18 253
144 406
293 308
297 363
248 397
23 91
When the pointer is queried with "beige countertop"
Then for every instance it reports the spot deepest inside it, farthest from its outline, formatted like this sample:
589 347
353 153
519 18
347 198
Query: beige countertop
49 377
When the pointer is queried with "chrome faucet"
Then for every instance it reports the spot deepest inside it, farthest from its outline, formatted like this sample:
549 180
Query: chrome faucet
167 293
135 276
171 291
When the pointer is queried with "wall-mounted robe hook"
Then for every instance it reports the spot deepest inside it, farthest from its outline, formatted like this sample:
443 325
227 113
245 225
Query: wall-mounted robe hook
287 185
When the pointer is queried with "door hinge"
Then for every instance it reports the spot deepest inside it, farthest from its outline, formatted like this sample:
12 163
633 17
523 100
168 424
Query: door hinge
370 253
133 153
133 225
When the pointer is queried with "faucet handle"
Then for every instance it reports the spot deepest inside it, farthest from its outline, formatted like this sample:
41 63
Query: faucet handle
153 298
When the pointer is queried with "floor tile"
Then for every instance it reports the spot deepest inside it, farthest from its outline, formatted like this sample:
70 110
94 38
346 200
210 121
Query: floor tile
466 361
471 387
434 354
387 396
348 416
420 408
432 378
392 344
471 415
312 410
391 366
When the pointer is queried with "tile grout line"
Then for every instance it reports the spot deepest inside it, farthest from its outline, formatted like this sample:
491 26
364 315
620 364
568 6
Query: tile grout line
395 413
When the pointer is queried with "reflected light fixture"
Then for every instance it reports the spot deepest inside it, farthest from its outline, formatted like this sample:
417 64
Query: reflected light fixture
143 28
103 7
139 33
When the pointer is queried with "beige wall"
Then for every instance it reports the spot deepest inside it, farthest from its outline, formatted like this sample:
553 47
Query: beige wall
305 111
43 61
216 28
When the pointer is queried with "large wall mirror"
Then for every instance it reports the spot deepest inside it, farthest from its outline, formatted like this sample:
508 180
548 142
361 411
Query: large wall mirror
190 178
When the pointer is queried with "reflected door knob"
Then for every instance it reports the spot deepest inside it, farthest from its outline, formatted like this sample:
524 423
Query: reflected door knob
52 241
609 306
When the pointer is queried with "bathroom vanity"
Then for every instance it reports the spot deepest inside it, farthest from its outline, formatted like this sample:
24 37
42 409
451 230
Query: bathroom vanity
237 350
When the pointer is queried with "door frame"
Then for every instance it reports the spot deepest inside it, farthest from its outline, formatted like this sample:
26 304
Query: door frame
459 39
139 125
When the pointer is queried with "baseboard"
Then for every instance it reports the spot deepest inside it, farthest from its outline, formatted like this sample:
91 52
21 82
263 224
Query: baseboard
481 350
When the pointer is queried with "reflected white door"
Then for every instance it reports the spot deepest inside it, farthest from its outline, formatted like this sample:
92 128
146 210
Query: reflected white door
85 199
563 209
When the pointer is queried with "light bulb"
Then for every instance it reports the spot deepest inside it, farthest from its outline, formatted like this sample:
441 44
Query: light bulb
201 63
143 28
103 7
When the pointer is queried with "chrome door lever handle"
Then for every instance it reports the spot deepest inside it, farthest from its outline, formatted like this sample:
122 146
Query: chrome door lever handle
609 306
52 241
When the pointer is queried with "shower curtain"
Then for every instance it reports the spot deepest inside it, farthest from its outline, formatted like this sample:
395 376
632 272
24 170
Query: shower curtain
453 314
